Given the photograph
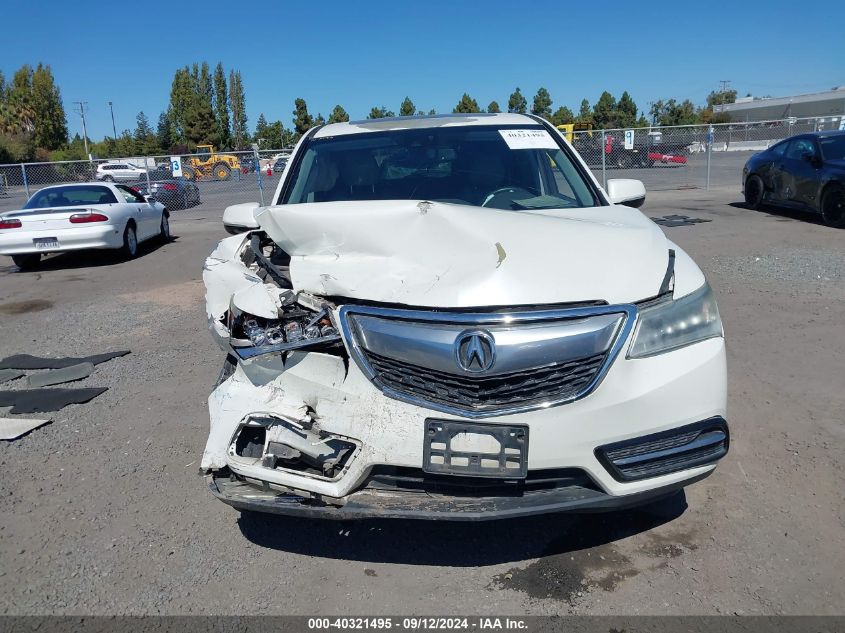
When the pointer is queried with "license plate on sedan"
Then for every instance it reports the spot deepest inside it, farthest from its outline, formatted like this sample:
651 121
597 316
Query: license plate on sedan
475 450
46 242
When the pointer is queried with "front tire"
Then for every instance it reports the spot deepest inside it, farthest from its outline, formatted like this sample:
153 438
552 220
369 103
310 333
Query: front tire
833 207
754 191
108 179
27 261
130 242
222 171
164 229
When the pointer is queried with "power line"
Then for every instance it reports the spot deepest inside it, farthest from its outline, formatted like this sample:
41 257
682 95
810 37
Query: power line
724 84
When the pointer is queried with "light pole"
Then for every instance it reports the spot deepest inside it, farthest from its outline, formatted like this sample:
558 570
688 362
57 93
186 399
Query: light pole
113 127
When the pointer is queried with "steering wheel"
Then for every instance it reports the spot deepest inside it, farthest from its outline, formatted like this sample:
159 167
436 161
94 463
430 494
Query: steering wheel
506 194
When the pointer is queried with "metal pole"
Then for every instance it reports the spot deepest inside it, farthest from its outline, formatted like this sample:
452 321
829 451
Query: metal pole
113 126
603 166
258 171
710 134
82 105
25 183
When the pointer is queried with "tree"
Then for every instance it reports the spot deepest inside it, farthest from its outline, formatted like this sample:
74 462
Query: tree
467 105
517 103
164 132
585 113
380 113
221 107
542 104
604 112
260 130
49 113
237 105
407 108
715 98
338 115
181 96
626 111
562 116
200 124
673 113
145 140
493 107
302 121
20 113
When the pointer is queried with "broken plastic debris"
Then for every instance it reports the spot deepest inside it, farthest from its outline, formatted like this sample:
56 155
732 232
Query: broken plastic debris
59 376
27 361
40 400
13 428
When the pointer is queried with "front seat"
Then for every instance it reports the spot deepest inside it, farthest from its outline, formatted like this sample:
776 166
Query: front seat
359 174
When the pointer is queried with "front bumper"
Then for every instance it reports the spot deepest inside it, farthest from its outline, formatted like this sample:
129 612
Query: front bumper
637 398
369 504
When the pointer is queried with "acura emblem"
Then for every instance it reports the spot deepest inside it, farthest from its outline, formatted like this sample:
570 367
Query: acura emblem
475 351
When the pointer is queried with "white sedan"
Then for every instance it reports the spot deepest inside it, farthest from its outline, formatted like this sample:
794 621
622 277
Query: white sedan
81 216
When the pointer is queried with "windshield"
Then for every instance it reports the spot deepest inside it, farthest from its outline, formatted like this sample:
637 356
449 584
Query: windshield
71 196
833 147
502 167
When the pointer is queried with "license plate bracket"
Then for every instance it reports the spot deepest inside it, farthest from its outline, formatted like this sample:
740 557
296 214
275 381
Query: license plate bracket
45 242
469 448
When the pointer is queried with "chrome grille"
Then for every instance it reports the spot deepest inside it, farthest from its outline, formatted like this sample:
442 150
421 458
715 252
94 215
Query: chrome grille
534 358
537 385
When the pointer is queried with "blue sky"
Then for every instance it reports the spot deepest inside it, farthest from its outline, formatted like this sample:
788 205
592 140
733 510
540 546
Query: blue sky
365 54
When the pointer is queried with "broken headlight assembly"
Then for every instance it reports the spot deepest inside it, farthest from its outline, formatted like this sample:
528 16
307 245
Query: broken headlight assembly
673 324
296 328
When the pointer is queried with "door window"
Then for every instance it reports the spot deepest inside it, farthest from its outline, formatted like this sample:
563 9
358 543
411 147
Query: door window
799 147
130 195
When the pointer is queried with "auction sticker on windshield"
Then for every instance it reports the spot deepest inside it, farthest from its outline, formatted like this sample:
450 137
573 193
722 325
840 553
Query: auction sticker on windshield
528 139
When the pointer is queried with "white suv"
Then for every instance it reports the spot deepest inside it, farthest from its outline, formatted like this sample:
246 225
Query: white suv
447 317
114 171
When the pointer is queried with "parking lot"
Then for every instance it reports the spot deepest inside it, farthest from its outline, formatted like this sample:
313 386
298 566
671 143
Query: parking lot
103 511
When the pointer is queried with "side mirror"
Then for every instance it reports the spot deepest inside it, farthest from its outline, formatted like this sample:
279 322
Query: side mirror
240 218
810 157
626 191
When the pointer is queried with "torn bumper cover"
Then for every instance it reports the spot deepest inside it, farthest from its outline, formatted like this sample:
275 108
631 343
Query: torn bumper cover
357 407
372 502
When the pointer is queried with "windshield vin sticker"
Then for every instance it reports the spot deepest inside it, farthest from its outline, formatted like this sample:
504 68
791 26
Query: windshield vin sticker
528 139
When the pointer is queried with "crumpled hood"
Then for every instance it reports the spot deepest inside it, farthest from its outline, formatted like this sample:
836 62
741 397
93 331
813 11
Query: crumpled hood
431 254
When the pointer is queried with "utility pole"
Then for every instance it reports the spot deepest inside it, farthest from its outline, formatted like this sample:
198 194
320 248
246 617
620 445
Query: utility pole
113 126
724 84
82 105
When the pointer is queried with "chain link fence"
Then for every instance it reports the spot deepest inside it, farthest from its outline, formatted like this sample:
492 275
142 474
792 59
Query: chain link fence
221 178
676 157
690 156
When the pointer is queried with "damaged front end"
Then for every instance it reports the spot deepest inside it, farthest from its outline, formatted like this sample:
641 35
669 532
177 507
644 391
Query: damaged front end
265 328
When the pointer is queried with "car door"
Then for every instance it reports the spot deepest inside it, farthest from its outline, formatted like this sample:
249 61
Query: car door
808 174
765 166
795 170
146 215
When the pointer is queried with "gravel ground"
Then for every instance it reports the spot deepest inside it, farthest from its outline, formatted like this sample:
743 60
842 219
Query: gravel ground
102 511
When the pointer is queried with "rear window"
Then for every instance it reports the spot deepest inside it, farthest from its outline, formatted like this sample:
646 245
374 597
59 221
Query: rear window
833 147
71 196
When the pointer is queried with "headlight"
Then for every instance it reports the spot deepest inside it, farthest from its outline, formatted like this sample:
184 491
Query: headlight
297 328
674 324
